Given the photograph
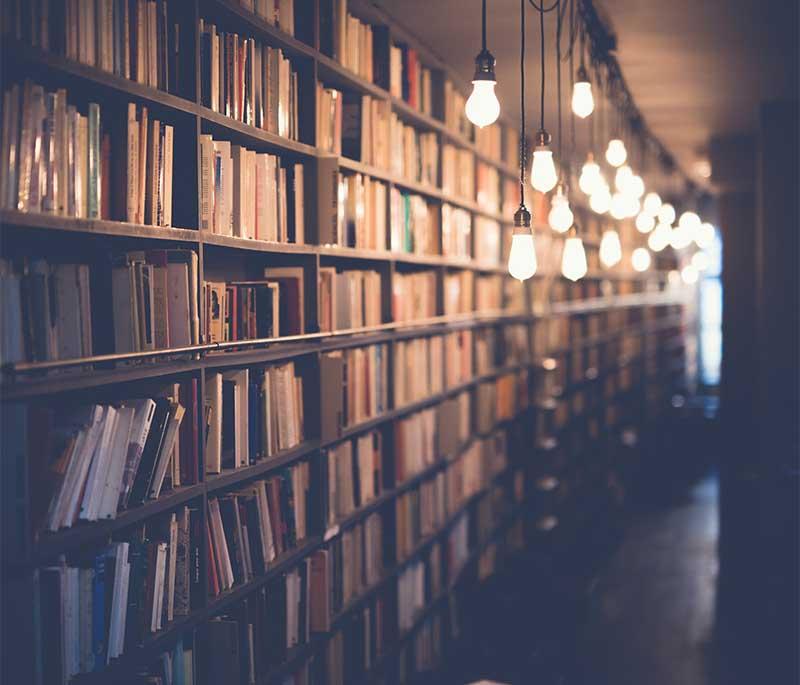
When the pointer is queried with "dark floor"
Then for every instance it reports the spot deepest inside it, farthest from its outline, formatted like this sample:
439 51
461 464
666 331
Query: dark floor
644 616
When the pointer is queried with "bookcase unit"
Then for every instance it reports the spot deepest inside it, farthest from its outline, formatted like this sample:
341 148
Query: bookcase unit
552 371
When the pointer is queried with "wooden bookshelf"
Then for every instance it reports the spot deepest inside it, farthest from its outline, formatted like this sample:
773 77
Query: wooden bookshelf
612 378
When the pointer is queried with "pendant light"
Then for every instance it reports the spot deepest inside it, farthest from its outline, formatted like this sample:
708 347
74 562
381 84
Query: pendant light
640 259
645 221
482 107
573 258
705 235
700 261
610 248
616 154
666 214
689 274
600 199
590 175
618 206
622 178
522 256
560 217
660 237
582 99
652 203
543 169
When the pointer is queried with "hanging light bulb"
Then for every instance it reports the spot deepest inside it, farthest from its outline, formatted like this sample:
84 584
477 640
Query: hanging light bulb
600 199
482 107
590 175
618 206
616 154
632 206
690 221
689 274
522 257
652 203
674 277
635 186
622 177
610 248
705 235
573 258
582 100
660 237
640 259
666 214
543 169
700 261
560 217
645 222
681 237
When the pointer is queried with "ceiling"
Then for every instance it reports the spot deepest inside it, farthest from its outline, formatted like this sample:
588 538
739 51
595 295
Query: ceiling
695 69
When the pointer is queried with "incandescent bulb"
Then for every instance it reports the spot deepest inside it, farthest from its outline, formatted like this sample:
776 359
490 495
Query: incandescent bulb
560 217
543 170
681 237
619 208
622 177
610 248
616 154
631 205
590 176
705 235
645 222
674 277
482 107
522 257
652 203
660 237
700 261
635 186
666 214
640 259
582 100
573 259
689 274
690 221
600 200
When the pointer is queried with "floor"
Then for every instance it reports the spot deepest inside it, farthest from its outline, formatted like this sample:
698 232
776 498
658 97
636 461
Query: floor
647 617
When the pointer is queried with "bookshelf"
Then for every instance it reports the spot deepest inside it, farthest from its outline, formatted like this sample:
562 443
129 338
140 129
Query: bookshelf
612 365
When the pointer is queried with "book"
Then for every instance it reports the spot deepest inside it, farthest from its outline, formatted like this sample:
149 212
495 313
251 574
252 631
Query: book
348 299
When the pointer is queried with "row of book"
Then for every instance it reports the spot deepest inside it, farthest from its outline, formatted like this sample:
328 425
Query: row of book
459 292
409 79
457 233
458 172
346 39
414 224
488 187
248 310
250 194
98 460
498 143
419 513
418 366
355 475
487 241
248 81
500 347
134 39
280 13
253 414
348 299
455 117
358 204
56 160
414 154
249 528
413 295
91 613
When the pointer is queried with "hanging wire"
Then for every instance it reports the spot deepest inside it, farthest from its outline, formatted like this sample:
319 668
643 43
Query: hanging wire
558 85
571 82
539 8
541 35
522 100
483 27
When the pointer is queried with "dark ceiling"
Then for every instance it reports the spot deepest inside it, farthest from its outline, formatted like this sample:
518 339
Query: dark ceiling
695 69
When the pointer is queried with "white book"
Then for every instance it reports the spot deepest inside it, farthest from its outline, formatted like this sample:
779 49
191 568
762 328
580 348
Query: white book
120 557
96 480
165 454
266 522
214 441
172 556
168 164
118 456
206 182
123 608
158 587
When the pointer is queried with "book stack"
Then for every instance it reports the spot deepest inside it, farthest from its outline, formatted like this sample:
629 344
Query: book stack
92 613
458 357
488 293
457 233
248 81
104 459
355 475
58 161
364 129
249 194
346 39
249 528
488 186
329 119
458 172
414 224
252 414
415 444
154 296
361 217
354 387
414 295
46 311
348 299
133 39
419 513
488 141
417 369
409 79
487 241
458 292
279 13
250 310
415 155
454 117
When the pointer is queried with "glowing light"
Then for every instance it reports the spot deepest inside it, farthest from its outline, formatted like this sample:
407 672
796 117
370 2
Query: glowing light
610 248
640 259
666 214
700 261
582 99
522 257
482 107
652 203
660 237
543 170
645 222
600 200
616 154
689 274
573 259
705 235
560 217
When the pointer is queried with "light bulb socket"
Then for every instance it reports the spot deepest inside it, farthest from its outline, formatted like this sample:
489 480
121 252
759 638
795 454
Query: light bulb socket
582 75
522 219
542 138
484 67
